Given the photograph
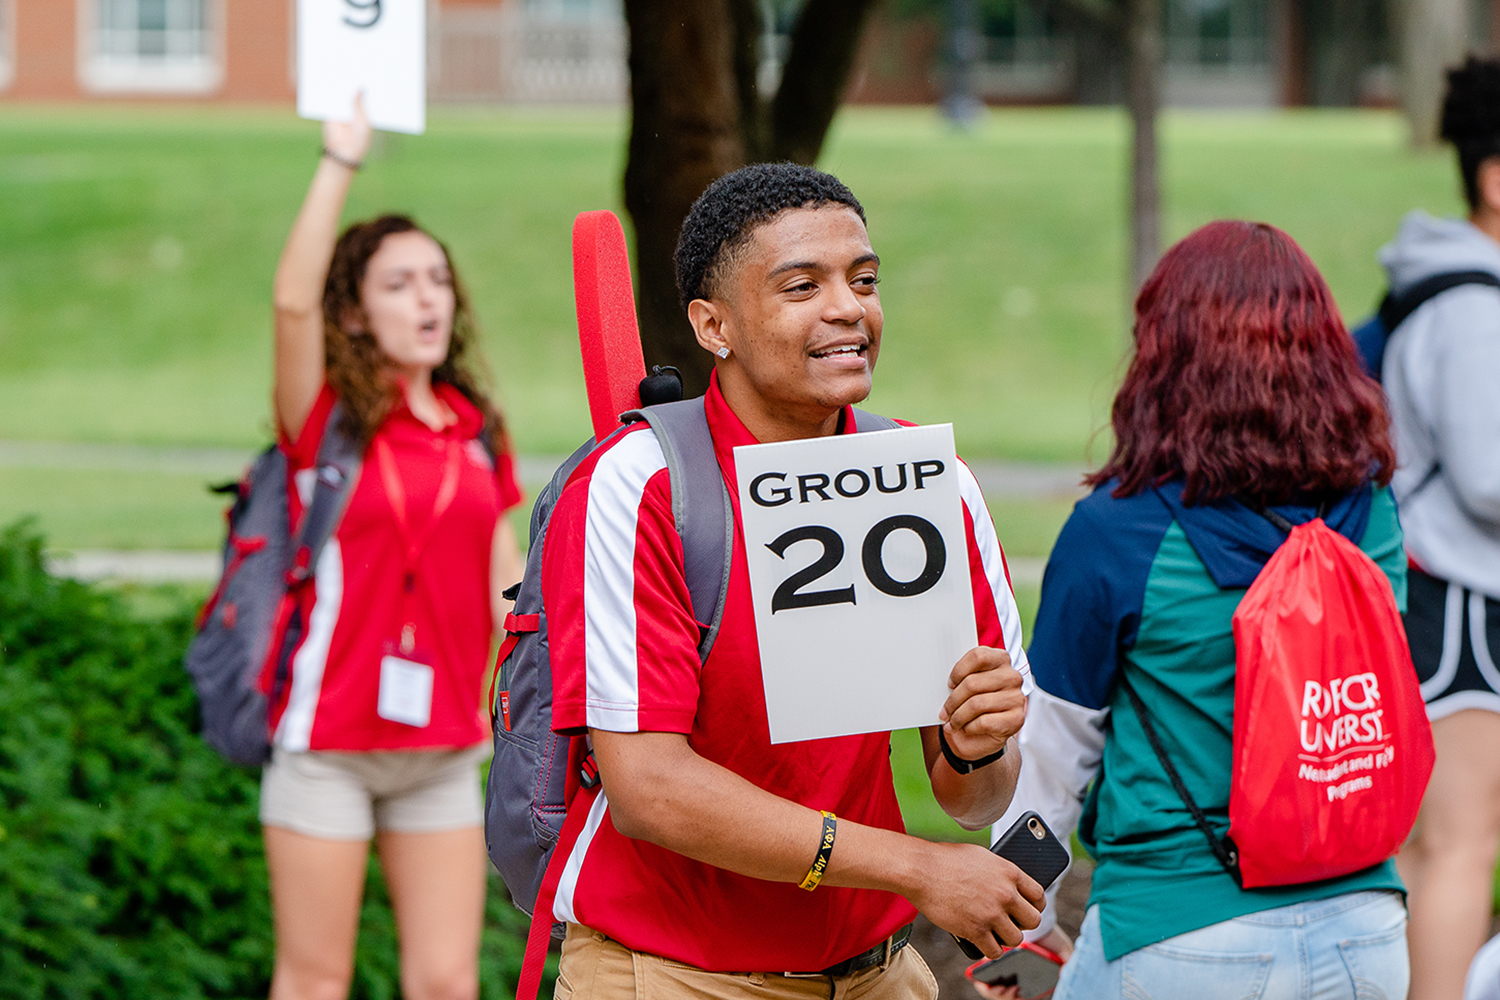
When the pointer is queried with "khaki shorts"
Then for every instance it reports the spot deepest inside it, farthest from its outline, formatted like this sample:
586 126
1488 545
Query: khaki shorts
348 796
595 967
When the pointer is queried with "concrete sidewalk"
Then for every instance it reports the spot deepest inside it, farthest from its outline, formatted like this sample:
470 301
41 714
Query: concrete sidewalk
1000 480
159 566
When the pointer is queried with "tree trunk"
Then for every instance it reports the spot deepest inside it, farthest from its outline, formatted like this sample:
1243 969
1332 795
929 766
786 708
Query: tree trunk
755 117
824 44
697 114
1434 36
684 133
1143 44
1098 31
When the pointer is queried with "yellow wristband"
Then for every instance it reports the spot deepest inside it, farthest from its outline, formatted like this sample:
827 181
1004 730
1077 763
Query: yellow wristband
825 851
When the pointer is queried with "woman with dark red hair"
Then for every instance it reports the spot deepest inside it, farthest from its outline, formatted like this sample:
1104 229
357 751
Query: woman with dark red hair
1245 393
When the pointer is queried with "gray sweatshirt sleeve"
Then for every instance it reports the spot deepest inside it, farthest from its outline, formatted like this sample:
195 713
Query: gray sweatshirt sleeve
1466 414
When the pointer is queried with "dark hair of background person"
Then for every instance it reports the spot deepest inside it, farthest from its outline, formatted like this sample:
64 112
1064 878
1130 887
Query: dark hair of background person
1471 118
358 369
727 212
1244 380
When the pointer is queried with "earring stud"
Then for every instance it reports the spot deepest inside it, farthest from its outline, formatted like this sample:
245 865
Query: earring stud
722 352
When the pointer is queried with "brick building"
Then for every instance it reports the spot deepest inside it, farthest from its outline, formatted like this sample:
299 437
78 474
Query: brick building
243 50
1219 52
69 49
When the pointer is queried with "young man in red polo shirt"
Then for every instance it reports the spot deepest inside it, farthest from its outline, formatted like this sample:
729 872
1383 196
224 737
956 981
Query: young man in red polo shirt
689 876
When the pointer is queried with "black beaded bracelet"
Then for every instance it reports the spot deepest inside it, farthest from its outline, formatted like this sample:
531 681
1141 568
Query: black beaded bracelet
965 766
354 165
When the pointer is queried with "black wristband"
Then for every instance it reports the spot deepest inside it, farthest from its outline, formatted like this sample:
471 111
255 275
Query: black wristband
965 766
825 851
351 165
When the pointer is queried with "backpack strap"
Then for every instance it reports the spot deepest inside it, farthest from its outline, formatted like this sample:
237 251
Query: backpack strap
1223 848
1370 337
1396 308
701 506
1278 521
864 422
337 469
540 933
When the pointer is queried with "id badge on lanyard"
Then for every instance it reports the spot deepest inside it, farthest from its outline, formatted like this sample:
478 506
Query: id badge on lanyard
407 675
405 690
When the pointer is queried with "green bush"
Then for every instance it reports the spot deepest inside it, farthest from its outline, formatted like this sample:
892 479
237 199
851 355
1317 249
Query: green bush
130 854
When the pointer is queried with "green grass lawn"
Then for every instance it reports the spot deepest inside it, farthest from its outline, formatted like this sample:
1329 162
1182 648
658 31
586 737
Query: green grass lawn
115 509
137 246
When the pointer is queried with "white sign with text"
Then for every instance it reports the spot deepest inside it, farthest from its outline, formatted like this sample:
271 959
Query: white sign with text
378 47
859 567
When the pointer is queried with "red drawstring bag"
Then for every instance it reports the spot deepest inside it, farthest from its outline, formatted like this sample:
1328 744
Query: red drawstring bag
1332 747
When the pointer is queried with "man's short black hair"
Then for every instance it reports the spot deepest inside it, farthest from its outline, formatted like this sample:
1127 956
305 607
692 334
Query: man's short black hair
1471 118
722 219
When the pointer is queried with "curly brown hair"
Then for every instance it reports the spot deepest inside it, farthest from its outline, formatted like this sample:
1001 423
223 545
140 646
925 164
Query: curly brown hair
360 372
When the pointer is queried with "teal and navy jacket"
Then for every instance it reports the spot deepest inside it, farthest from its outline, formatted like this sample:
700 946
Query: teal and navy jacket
1148 586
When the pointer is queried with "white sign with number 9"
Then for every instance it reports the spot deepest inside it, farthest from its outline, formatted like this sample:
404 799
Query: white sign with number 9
859 568
375 46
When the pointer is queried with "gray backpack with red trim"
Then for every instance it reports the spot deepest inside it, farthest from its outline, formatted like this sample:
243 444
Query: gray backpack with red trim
264 562
528 789
535 771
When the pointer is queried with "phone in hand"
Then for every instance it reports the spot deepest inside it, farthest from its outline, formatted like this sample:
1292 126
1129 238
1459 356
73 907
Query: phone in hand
1032 969
1033 848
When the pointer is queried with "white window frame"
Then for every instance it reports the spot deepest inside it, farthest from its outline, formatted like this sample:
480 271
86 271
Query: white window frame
103 73
7 43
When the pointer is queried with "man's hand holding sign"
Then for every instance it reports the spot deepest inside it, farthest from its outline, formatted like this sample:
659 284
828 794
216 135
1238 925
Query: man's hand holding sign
867 593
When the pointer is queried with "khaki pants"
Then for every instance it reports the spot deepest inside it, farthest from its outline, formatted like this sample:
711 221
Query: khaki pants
595 967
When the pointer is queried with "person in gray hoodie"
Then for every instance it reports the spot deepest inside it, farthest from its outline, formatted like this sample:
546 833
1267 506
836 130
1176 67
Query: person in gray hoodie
1441 371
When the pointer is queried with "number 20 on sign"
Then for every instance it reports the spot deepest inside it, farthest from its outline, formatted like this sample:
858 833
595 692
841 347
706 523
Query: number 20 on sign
859 570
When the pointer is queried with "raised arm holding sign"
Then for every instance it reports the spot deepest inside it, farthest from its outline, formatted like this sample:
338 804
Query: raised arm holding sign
734 786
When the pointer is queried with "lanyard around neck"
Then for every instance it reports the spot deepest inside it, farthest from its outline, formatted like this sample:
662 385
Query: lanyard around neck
448 489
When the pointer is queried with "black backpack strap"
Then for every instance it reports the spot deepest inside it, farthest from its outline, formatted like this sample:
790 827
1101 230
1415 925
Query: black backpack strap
1223 848
337 469
700 506
1395 308
1278 521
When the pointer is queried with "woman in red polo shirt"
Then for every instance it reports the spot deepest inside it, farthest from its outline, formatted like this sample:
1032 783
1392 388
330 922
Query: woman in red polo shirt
378 730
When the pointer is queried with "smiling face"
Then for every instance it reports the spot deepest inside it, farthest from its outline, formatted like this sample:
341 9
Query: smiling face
407 299
798 309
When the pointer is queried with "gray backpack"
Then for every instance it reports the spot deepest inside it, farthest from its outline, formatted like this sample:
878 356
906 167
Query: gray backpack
526 798
263 564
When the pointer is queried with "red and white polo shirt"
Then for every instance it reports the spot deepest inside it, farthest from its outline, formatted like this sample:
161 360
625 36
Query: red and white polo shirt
358 604
624 657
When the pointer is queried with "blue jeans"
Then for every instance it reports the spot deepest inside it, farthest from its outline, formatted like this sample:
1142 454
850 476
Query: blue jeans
1349 947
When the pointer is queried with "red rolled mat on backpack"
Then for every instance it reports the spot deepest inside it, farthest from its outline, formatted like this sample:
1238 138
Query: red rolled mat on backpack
608 337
